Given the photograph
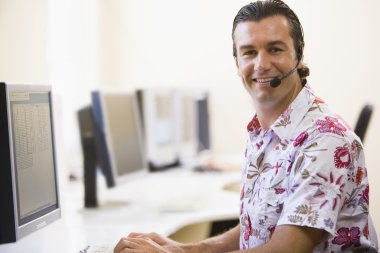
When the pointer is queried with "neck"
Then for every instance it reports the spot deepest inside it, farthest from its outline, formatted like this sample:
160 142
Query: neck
269 112
267 116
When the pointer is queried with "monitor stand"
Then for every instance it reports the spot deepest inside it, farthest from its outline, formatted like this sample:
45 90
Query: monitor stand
90 186
154 167
89 156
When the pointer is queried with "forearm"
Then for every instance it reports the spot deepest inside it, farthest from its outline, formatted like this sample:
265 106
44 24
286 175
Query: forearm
290 239
225 242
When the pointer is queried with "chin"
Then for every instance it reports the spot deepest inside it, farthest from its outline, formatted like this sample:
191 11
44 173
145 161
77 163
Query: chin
264 95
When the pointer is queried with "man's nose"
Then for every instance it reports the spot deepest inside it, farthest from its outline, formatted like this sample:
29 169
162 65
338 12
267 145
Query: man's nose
262 62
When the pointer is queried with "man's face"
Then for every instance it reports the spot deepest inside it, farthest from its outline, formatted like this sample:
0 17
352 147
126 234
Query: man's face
265 50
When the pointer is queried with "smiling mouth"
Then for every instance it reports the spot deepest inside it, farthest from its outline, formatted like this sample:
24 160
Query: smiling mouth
262 80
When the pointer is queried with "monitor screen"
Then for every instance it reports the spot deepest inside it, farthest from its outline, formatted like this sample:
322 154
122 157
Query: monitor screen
116 114
29 178
203 120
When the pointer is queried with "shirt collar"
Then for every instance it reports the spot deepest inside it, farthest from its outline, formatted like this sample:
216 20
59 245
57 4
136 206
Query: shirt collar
286 123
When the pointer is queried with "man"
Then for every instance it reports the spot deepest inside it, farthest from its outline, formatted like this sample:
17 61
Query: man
304 186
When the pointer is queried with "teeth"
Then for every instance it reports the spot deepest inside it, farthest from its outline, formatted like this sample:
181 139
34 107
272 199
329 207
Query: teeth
263 80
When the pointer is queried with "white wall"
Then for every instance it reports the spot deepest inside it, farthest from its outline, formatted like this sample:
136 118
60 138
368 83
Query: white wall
143 43
72 37
23 26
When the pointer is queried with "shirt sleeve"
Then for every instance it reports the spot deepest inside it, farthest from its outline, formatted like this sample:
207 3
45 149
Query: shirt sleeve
320 182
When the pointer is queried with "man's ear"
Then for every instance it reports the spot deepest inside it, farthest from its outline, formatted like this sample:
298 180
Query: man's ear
301 64
237 66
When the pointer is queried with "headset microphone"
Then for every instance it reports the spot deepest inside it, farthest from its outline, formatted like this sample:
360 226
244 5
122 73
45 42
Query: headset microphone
275 82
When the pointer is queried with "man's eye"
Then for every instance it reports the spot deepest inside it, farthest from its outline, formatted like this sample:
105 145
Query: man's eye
249 52
275 50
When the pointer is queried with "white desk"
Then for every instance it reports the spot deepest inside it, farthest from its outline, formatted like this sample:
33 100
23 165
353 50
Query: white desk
138 206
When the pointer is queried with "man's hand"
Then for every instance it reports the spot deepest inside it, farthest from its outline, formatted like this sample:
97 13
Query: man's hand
152 242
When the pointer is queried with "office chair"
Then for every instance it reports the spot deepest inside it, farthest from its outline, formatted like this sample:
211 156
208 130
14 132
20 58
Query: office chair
363 121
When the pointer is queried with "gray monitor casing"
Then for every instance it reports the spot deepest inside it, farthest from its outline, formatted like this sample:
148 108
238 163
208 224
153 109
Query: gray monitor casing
12 226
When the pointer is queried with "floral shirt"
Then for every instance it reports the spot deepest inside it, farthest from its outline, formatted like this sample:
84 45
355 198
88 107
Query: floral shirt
308 169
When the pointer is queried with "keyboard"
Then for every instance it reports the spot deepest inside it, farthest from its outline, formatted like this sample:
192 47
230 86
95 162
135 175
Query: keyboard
98 249
204 168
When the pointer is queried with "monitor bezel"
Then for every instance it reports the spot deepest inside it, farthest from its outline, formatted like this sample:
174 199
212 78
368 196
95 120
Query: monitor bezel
45 216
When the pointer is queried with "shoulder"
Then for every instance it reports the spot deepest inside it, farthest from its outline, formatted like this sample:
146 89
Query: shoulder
327 141
321 123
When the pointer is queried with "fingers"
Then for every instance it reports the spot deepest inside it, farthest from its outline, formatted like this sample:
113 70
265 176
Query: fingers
136 235
137 244
157 238
125 243
153 236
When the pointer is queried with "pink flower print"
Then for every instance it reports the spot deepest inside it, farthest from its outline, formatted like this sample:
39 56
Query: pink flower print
242 192
247 227
271 230
365 195
259 144
300 139
342 157
347 237
254 126
332 191
277 166
318 100
279 190
330 125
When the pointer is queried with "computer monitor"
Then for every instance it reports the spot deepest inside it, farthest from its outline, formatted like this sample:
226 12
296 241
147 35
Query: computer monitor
28 176
111 127
203 121
158 108
122 131
193 124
